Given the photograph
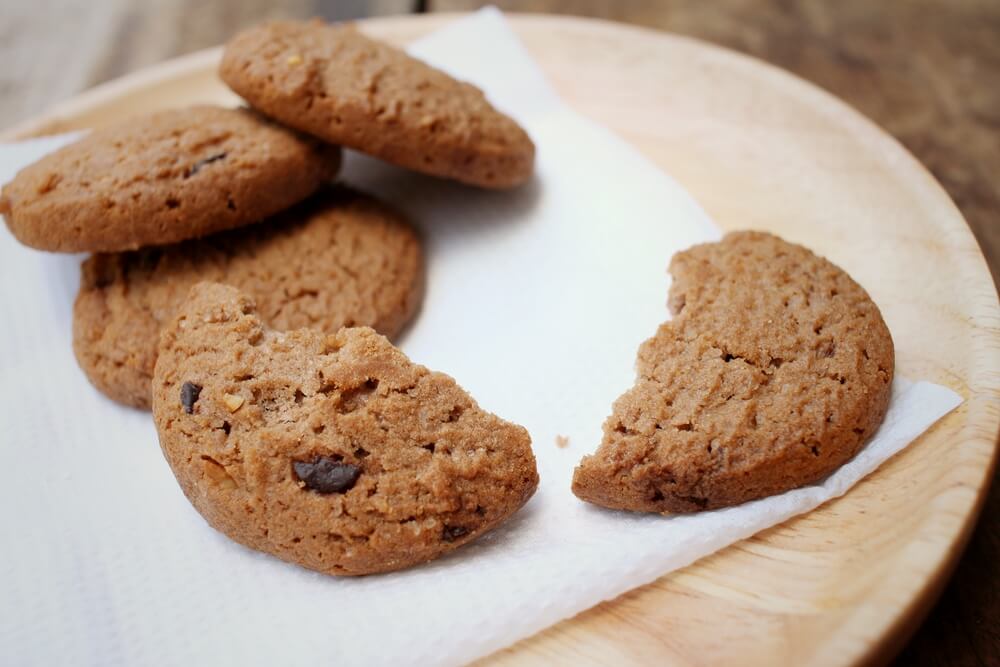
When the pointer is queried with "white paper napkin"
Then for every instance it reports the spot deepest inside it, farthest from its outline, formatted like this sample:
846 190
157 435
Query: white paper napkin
536 303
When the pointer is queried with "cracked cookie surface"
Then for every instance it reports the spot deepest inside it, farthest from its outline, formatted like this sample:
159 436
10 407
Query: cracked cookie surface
334 83
339 259
774 372
161 178
332 451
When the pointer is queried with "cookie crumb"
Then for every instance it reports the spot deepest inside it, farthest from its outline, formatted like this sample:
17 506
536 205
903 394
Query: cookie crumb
233 401
562 441
294 60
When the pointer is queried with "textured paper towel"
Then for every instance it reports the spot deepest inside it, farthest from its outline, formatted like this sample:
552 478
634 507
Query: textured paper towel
536 302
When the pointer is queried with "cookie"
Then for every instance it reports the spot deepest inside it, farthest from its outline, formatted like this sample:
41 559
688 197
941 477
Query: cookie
774 372
161 178
332 451
339 259
333 82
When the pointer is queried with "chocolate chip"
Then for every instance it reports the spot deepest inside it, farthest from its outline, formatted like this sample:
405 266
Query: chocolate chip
327 475
189 395
196 167
452 533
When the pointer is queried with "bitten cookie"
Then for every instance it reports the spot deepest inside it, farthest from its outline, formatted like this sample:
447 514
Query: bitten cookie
162 178
774 372
333 82
339 259
332 451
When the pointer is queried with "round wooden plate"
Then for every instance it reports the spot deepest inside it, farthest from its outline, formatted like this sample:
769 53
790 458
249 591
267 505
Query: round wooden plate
758 148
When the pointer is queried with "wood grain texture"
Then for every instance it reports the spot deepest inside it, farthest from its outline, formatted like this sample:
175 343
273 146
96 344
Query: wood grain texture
761 149
928 71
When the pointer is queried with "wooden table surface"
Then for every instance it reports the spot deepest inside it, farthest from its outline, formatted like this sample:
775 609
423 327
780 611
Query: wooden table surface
927 71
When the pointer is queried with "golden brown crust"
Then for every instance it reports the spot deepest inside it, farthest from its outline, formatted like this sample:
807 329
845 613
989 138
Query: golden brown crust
339 259
430 469
161 178
333 82
775 370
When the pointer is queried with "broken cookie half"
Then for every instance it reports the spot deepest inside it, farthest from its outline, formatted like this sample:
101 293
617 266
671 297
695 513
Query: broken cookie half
332 451
774 372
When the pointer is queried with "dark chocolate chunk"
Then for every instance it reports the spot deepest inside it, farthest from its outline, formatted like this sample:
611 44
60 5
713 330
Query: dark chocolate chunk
189 395
452 533
327 475
196 167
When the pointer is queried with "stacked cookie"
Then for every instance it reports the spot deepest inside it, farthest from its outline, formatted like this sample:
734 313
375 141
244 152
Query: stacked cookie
274 423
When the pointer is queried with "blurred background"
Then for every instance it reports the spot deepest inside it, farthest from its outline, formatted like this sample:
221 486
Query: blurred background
928 71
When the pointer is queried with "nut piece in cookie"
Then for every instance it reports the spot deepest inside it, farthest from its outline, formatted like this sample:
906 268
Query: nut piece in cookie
774 372
334 83
344 457
161 178
339 259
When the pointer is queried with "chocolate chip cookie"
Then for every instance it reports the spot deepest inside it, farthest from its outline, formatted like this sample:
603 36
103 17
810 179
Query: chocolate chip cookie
339 259
332 451
774 372
333 82
162 178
